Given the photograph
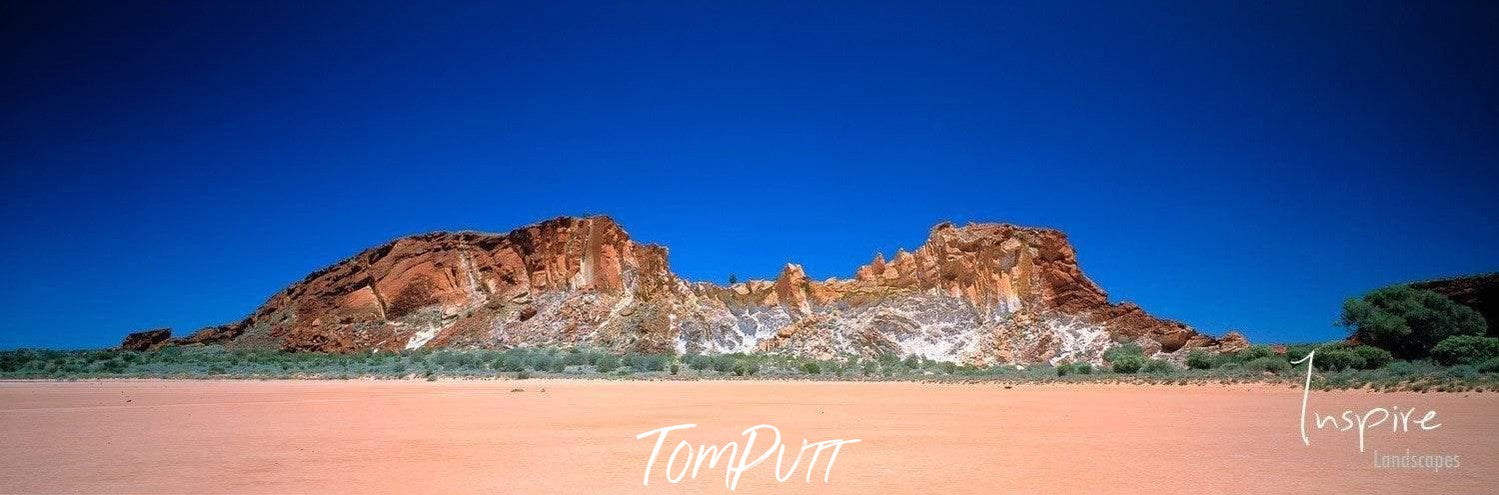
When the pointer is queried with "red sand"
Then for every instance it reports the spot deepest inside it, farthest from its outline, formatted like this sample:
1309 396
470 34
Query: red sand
578 437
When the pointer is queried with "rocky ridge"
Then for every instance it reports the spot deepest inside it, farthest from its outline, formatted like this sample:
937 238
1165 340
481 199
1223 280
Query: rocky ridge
980 293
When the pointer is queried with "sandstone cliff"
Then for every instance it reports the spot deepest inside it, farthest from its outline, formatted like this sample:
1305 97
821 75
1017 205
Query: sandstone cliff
981 293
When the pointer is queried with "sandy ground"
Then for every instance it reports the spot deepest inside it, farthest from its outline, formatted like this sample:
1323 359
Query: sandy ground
579 437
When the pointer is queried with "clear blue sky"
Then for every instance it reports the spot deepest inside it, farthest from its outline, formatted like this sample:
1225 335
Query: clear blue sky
1231 166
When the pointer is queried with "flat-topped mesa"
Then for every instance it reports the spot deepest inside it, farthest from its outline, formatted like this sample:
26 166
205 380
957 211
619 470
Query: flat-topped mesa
981 293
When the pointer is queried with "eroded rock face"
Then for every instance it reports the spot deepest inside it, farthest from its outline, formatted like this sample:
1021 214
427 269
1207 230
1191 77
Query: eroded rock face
1233 342
982 293
468 289
146 340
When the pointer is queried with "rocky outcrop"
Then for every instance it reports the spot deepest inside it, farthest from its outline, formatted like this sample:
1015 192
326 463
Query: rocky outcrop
1233 342
146 340
981 293
465 289
1480 292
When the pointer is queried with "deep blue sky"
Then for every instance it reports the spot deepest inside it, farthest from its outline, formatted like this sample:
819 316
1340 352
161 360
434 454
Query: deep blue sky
1231 166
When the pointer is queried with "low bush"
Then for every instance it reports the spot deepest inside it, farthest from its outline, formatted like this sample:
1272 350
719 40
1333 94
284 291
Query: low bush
1465 372
1269 363
1373 357
541 361
698 362
1338 359
1128 363
1158 366
1118 352
913 362
745 368
576 357
607 363
724 363
1344 365
1400 369
1490 366
510 362
646 362
1465 349
1253 353
1200 360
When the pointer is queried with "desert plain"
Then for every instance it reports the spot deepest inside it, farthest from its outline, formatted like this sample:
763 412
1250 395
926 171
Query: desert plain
579 436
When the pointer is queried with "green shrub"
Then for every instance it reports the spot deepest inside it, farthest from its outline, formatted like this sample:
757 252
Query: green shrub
1400 369
1082 368
1408 322
811 369
1120 351
1064 369
1200 360
1158 366
698 362
1463 371
575 357
913 362
1373 357
1338 359
1254 352
607 363
1465 349
675 368
647 362
1128 363
744 367
1490 366
1298 351
1270 363
724 363
510 362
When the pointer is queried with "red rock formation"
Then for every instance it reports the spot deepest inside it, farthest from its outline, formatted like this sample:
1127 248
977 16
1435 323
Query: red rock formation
1022 275
449 288
1233 342
146 340
982 292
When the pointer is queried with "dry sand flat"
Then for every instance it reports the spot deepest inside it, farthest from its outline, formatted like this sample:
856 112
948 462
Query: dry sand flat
579 437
